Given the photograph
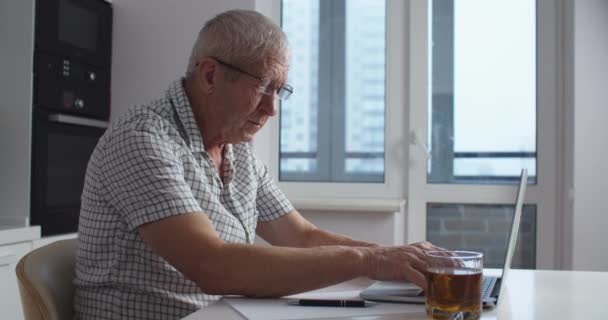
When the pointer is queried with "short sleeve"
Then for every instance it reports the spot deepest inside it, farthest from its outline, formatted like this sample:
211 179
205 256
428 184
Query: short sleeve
271 203
144 176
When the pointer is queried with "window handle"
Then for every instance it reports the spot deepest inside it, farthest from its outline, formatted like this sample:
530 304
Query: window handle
415 140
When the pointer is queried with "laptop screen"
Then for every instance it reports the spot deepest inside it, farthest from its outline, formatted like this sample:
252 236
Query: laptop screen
521 191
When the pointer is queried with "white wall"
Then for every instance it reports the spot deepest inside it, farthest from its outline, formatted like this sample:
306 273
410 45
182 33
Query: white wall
590 227
152 40
16 64
378 227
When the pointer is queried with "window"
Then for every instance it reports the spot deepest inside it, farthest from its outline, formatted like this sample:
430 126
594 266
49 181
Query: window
483 100
483 81
482 123
333 127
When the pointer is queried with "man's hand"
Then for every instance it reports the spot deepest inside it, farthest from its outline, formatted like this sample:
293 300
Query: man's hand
399 263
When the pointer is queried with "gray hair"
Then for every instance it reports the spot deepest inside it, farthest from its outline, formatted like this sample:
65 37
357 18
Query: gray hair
240 37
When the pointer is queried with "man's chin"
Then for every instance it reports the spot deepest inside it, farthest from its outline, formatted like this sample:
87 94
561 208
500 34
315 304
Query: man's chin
249 132
248 135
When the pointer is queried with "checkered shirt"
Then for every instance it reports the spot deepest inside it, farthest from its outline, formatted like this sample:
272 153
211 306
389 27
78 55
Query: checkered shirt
149 165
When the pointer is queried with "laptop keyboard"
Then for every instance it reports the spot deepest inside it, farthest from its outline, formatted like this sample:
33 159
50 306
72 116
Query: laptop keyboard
487 286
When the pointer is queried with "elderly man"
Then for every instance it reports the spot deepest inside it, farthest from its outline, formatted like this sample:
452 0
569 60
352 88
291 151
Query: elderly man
174 197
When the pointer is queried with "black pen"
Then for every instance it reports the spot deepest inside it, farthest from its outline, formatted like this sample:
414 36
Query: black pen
327 303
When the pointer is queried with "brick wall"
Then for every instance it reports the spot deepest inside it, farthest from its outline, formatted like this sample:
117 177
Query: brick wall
483 228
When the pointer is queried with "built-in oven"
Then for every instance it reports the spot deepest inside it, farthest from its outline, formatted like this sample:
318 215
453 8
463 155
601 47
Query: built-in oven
62 145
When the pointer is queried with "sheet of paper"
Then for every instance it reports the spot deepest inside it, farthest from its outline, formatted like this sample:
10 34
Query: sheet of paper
275 309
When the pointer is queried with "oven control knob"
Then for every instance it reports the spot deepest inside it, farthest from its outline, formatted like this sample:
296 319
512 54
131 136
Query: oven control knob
79 103
92 76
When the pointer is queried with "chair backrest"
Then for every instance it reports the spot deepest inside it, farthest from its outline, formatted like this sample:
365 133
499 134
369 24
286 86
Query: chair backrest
45 278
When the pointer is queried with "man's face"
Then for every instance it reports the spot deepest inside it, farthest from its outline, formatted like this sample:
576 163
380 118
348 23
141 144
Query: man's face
250 100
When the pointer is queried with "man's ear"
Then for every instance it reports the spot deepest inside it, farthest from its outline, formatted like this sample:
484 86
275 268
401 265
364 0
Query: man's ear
208 72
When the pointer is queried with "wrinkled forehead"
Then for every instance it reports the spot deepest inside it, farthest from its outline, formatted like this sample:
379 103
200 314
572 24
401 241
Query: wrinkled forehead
273 69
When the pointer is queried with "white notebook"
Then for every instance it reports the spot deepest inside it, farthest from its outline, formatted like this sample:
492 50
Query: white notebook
275 309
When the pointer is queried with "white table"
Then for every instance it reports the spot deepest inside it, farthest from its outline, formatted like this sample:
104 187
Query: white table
530 294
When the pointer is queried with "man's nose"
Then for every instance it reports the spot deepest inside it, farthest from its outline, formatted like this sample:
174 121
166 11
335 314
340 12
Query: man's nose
269 103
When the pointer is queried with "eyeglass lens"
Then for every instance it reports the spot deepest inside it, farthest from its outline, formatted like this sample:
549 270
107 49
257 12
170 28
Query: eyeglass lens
285 92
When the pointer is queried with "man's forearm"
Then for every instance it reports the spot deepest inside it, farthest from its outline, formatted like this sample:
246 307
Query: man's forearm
319 237
264 271
292 230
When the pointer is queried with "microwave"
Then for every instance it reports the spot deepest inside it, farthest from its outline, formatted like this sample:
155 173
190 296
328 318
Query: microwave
77 30
72 57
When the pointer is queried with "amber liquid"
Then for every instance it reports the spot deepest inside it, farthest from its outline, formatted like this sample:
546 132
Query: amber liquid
451 291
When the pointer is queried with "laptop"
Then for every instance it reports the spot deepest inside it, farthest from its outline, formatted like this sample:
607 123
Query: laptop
407 292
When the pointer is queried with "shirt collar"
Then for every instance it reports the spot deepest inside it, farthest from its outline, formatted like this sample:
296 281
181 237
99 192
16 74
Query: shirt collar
178 98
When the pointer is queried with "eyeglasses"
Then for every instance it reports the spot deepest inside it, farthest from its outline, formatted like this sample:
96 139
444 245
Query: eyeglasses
283 92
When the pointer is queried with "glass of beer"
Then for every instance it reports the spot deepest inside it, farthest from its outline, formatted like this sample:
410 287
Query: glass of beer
454 284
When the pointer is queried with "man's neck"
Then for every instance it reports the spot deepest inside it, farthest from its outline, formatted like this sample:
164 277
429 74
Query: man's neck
208 125
216 153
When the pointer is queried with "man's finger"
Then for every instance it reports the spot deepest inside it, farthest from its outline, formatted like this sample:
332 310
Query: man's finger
416 277
419 252
418 263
